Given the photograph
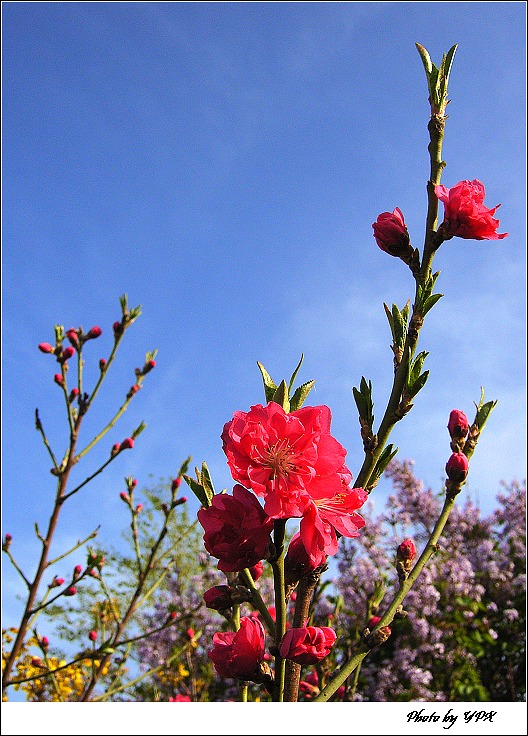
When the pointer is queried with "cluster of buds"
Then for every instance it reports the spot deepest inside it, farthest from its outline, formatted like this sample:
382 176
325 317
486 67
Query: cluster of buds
77 337
457 466
405 555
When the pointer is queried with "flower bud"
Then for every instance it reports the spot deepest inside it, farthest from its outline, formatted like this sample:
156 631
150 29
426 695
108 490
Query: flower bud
118 328
44 643
93 333
57 582
77 571
124 497
376 638
219 598
139 508
176 483
406 550
405 554
457 467
127 444
73 336
458 427
256 571
37 662
45 347
70 591
59 379
115 449
7 542
181 500
102 364
190 633
391 234
92 635
149 365
133 390
66 354
297 561
374 621
73 394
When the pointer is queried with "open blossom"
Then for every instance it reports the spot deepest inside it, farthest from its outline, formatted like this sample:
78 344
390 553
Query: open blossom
326 516
237 530
308 644
286 458
465 215
239 653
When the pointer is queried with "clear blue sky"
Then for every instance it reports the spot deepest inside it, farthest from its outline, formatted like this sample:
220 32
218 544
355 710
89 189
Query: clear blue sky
223 163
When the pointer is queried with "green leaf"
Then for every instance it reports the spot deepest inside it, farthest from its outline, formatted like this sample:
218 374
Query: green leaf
198 490
389 317
430 302
363 399
426 59
417 366
282 397
294 374
269 385
206 481
384 459
299 397
418 384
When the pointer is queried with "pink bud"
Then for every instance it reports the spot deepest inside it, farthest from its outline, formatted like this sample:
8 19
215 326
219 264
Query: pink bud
93 333
124 497
44 642
256 571
457 467
176 483
219 598
127 444
93 573
73 336
57 582
391 233
37 662
458 425
181 500
118 328
59 379
149 366
8 537
70 591
139 508
133 389
66 354
77 570
102 364
45 347
73 394
190 633
374 621
92 635
406 550
133 483
173 615
115 449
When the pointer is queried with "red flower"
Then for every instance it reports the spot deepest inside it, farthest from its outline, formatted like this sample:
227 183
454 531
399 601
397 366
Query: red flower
307 645
283 457
457 467
325 516
391 233
458 424
238 654
465 215
237 530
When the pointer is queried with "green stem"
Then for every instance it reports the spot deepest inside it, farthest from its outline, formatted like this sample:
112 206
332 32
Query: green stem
257 601
279 533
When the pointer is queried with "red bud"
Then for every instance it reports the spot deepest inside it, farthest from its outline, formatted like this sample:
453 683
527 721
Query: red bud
45 347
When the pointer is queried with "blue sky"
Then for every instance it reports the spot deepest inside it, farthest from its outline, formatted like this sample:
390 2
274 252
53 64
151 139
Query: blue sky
222 164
